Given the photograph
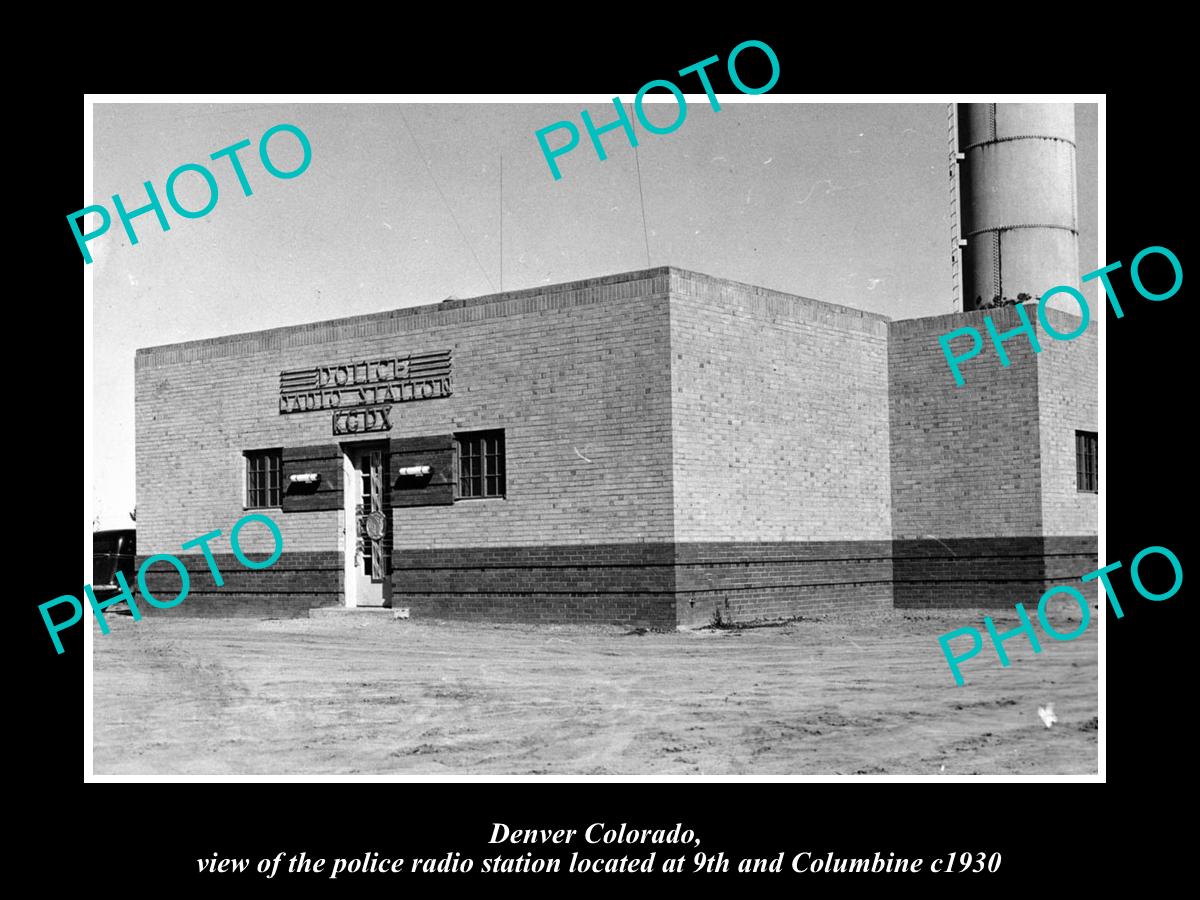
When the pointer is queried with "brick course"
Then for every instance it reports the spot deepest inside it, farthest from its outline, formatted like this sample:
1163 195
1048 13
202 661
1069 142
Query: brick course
654 584
293 584
748 580
602 583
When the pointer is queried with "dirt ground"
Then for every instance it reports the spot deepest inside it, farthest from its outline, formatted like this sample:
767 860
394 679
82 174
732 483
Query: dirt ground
350 695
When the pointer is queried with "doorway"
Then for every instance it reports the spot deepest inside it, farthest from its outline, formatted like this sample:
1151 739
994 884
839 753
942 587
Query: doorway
368 531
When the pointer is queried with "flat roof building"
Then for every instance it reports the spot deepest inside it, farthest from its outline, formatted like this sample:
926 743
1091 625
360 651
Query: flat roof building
657 448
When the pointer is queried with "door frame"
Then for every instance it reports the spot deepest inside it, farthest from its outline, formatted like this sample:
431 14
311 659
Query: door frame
351 477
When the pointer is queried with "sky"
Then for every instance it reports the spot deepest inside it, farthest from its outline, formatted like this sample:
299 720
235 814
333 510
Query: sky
402 205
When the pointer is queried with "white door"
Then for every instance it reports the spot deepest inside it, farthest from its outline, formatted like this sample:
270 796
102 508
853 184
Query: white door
369 580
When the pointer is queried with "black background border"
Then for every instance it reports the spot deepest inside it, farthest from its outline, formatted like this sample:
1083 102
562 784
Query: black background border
1044 830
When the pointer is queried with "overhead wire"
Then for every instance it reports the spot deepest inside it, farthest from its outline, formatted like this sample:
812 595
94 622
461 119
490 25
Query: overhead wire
641 196
432 178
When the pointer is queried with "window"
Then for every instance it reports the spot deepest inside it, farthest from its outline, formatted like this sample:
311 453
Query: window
480 464
1087 461
264 473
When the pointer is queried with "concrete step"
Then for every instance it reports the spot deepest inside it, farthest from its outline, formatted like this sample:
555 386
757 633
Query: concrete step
342 612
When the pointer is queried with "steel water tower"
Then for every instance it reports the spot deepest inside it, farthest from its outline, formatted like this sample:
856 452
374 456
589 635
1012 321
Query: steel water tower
1013 189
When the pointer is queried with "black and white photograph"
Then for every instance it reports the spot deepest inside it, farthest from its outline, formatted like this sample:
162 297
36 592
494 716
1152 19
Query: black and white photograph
696 436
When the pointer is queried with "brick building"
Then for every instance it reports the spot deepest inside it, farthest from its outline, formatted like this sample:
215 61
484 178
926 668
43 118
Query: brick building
652 447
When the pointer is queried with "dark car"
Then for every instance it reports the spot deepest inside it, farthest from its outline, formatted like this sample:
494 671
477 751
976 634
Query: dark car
112 551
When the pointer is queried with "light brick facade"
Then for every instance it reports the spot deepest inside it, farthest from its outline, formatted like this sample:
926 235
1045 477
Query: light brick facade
985 508
678 447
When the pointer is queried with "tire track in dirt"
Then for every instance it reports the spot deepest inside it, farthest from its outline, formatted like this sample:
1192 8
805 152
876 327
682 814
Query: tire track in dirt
815 697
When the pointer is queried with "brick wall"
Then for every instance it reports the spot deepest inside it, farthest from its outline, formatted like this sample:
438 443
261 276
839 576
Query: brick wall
1067 401
780 416
980 512
576 374
1068 396
965 460
742 581
966 471
292 585
625 584
968 572
781 451
1068 557
197 409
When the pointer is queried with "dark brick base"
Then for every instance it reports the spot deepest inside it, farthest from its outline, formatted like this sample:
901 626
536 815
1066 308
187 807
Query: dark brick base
744 582
293 585
1067 558
986 572
626 584
653 585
